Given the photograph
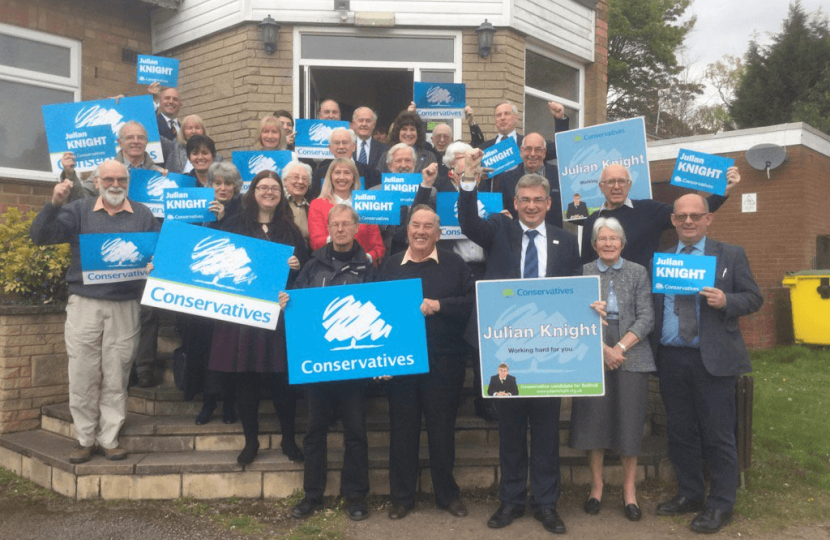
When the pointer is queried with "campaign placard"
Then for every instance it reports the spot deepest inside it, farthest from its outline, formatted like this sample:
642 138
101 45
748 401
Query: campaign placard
252 162
502 157
218 275
703 172
67 125
682 274
158 69
439 100
376 207
116 257
312 138
147 187
545 332
584 153
190 205
404 183
91 147
446 205
356 332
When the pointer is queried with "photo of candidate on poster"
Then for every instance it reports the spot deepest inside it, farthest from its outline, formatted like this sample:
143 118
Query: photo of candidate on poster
540 337
582 155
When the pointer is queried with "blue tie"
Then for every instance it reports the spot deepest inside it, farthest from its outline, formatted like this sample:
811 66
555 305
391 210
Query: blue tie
362 157
531 256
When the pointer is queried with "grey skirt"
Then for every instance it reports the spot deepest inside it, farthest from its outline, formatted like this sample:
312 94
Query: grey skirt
613 421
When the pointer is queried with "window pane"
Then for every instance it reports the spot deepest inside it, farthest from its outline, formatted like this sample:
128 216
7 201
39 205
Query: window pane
35 56
551 76
22 135
539 119
437 76
399 49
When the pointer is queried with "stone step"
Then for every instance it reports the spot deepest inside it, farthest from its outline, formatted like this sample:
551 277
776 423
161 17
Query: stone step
42 457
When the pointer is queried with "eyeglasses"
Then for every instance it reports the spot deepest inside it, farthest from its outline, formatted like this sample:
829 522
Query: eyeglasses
266 189
615 182
535 200
109 180
295 178
341 225
681 218
535 149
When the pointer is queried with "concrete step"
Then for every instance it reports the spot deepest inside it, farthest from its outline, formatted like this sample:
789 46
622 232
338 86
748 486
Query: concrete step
42 457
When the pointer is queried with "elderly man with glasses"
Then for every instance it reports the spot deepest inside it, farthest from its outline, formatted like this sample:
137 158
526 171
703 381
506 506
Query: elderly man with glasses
102 320
643 220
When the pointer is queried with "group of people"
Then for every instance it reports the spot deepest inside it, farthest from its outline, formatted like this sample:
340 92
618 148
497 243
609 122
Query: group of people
691 342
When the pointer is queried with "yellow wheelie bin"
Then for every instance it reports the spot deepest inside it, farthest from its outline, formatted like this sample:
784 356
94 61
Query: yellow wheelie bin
810 297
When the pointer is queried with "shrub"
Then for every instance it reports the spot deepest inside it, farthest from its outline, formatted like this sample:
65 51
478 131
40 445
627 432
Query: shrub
30 274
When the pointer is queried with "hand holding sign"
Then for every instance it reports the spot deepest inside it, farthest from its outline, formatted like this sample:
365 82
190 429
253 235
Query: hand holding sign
68 163
714 297
733 178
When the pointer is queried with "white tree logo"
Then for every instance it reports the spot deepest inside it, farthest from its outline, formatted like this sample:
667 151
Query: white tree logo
437 95
482 212
319 133
348 319
97 116
221 259
118 252
157 184
260 163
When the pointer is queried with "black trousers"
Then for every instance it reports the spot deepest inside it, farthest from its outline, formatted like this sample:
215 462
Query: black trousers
249 386
322 400
700 410
435 395
145 356
542 414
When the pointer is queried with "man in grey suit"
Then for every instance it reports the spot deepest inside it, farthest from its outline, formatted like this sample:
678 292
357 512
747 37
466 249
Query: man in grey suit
700 354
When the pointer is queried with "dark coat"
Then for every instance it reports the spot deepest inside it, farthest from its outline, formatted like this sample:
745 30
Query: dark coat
506 184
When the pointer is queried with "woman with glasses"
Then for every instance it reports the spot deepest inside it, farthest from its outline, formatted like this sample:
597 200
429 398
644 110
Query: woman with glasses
615 421
256 357
341 179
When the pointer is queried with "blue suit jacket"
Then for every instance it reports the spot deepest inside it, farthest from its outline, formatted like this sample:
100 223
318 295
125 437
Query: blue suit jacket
722 347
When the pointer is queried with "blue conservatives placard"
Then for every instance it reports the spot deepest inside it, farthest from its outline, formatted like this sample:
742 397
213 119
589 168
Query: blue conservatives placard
502 157
158 69
190 205
404 183
439 100
356 332
252 162
583 153
703 172
682 274
116 257
377 207
148 187
312 139
91 147
447 207
545 331
218 275
67 122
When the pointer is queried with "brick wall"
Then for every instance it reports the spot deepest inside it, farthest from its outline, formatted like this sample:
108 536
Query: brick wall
104 27
32 364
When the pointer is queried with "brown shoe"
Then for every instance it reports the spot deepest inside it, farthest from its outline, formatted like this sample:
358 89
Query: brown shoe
81 454
457 508
114 454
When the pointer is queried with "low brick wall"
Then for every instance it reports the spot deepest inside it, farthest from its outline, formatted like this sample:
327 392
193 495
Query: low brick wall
32 364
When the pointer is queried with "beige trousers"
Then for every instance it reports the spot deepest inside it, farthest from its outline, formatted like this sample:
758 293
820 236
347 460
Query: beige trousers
101 339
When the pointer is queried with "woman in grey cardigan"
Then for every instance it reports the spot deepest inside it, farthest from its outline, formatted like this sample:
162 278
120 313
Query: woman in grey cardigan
615 420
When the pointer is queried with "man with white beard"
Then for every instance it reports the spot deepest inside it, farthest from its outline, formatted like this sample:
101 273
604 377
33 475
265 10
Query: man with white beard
102 320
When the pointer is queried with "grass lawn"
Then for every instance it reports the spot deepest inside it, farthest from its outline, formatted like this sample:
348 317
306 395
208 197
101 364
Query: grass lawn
789 481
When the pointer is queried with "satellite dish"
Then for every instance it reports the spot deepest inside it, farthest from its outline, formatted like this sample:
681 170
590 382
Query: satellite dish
766 156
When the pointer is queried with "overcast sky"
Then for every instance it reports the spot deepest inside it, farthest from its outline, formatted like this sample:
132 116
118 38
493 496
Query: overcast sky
726 26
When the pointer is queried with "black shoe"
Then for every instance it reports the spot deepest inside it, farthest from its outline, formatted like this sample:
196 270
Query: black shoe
205 414
487 411
248 454
292 451
632 512
550 520
396 511
504 516
678 505
305 508
228 414
146 379
357 510
457 508
711 520
592 506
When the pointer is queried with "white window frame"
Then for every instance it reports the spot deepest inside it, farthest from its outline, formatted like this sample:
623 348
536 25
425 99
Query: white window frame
72 83
529 90
416 67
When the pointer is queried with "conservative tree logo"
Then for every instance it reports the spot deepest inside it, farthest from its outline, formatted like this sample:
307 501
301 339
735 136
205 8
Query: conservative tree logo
220 259
438 95
349 320
260 163
96 115
118 252
319 134
157 184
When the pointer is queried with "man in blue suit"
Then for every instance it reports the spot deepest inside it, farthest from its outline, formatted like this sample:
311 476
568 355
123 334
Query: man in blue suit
526 247
700 354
